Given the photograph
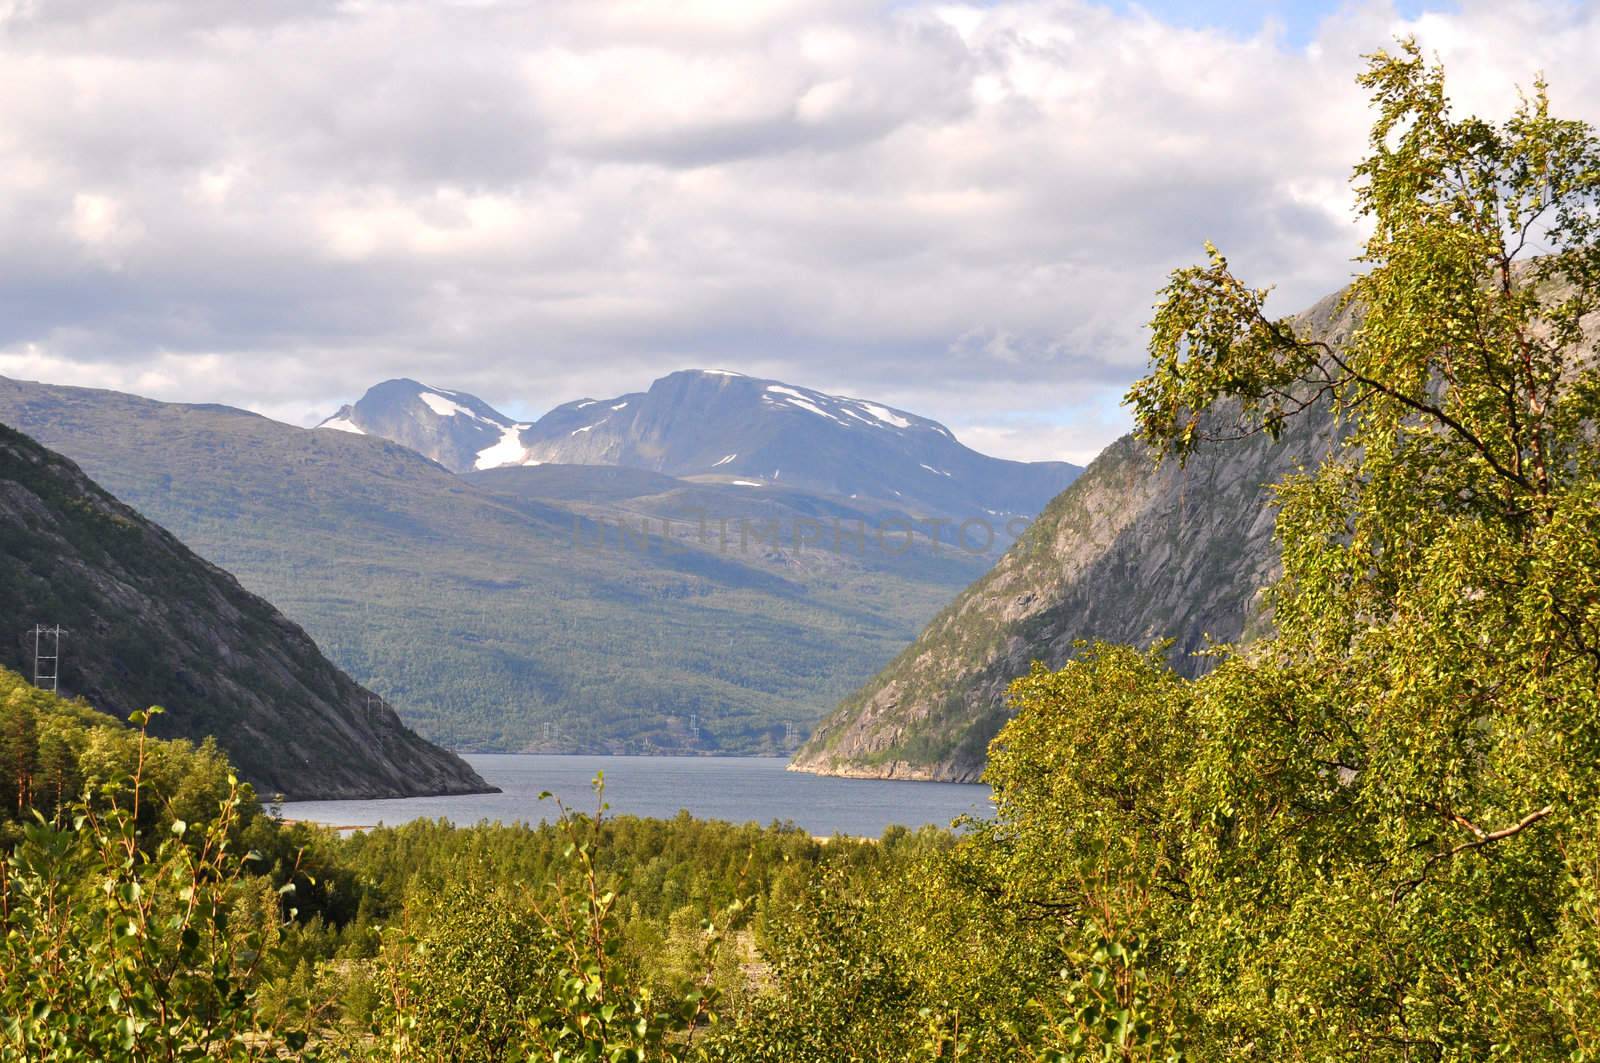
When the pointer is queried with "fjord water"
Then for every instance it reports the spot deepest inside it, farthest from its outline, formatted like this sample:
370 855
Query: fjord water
738 789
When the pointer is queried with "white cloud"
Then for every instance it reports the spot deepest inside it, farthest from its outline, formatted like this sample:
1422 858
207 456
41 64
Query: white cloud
958 209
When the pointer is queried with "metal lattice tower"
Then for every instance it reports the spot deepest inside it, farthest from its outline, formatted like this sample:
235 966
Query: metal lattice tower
47 657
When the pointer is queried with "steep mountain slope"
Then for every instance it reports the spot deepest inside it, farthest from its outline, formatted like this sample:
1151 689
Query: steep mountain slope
487 619
148 623
1130 553
712 423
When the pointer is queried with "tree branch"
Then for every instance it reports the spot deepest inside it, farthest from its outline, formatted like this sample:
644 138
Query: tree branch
1417 405
1481 838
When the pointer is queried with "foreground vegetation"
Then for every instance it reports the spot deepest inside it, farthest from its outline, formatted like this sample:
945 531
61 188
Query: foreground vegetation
1374 834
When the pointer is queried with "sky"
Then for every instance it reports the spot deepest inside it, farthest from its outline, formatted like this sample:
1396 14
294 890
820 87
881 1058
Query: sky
959 209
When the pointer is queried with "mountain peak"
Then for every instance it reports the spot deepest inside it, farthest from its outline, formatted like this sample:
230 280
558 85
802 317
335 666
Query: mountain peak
458 430
722 426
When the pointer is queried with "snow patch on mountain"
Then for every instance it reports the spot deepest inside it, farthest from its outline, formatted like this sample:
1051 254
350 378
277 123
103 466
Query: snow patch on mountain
443 406
788 396
725 460
836 407
342 424
507 450
884 414
435 399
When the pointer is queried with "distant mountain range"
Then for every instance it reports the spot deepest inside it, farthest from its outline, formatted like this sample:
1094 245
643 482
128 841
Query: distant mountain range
1131 553
147 622
526 607
717 426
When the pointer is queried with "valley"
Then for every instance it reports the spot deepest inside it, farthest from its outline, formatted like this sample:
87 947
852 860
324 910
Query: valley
693 715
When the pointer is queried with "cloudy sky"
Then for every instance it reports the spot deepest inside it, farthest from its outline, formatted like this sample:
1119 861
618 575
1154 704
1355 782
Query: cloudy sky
959 209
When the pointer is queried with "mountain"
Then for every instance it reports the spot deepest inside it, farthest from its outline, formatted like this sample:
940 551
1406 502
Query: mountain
728 427
148 622
1132 553
454 429
495 618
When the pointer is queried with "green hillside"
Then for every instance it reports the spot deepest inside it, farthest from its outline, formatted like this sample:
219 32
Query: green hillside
147 622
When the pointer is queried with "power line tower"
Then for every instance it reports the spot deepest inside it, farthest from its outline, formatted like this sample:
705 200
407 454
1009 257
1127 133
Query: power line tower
46 657
694 727
788 734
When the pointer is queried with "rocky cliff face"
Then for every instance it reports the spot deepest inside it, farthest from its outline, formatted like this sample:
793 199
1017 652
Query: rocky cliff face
1130 553
149 623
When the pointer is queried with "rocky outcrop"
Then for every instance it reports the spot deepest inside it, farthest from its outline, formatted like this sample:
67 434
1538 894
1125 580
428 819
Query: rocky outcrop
1132 552
148 622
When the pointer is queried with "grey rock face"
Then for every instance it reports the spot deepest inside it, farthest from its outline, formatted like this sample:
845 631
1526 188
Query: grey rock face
1131 553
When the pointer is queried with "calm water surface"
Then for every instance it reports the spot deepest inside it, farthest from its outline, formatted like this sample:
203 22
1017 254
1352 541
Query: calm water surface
739 789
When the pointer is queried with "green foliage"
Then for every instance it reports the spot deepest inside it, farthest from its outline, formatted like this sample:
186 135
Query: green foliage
1383 833
1371 834
534 972
117 942
53 753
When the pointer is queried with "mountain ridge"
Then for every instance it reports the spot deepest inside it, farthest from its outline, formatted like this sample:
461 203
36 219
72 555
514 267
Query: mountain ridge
451 427
722 425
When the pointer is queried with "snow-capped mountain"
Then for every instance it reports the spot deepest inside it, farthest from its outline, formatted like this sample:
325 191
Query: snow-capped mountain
457 430
719 425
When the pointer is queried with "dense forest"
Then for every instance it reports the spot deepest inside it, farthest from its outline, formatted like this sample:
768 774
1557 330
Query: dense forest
1371 834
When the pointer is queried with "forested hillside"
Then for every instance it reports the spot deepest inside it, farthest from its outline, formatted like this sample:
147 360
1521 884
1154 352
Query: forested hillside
147 622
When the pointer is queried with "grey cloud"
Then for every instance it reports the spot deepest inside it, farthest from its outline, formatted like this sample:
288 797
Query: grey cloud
963 211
